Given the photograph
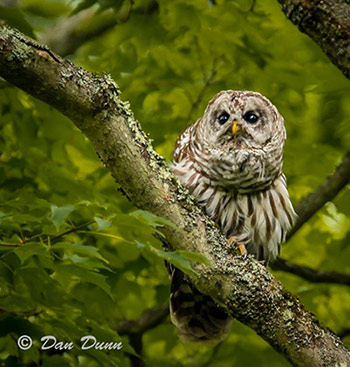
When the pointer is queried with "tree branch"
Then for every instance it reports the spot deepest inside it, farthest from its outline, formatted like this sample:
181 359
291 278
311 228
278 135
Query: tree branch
244 288
136 328
312 275
326 192
71 33
148 320
327 23
344 333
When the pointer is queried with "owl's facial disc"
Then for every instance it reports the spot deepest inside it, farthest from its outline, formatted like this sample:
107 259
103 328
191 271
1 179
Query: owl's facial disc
241 120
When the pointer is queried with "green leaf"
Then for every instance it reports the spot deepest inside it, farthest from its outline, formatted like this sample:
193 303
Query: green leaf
151 219
59 214
85 262
86 276
178 260
84 4
193 256
174 257
29 249
102 223
79 248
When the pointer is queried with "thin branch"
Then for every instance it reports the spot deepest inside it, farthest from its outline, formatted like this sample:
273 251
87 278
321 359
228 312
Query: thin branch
136 328
212 358
344 333
252 6
312 275
21 313
148 320
244 288
324 193
198 100
9 244
73 229
71 33
207 80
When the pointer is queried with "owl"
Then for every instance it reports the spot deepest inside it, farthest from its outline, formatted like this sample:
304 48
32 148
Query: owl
231 160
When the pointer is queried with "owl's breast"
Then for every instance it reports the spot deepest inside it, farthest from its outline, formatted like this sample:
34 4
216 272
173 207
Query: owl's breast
260 219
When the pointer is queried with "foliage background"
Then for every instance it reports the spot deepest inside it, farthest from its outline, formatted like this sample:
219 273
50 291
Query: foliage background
169 58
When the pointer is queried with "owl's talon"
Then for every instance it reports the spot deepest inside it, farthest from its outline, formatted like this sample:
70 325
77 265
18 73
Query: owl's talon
243 251
245 256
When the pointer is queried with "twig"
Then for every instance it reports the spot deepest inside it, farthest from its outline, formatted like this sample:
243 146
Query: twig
326 192
207 81
72 230
136 328
22 313
344 333
148 320
213 355
312 275
9 244
252 6
71 33
47 239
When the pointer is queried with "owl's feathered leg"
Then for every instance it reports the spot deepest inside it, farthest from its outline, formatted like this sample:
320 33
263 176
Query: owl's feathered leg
233 242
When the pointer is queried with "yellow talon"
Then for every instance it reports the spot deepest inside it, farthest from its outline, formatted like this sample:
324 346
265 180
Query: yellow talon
243 251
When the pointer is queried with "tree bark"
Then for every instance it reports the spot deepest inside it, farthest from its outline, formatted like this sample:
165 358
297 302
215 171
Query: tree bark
244 287
327 22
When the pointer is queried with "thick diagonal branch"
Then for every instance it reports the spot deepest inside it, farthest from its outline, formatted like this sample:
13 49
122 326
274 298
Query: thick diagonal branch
245 288
327 22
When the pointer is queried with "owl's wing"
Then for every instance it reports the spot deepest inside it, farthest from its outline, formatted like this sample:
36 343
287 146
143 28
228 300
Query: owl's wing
180 150
182 145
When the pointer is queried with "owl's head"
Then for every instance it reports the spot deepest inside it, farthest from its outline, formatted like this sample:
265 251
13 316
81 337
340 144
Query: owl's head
241 137
242 120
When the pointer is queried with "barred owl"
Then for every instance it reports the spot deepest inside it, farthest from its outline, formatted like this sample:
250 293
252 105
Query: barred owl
230 159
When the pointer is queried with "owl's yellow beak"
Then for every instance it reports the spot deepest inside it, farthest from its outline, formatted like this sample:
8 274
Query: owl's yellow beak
235 128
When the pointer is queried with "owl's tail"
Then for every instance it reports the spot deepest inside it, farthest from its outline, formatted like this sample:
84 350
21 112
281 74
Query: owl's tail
196 316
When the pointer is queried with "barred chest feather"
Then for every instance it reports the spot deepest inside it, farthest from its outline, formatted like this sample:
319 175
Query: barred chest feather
260 220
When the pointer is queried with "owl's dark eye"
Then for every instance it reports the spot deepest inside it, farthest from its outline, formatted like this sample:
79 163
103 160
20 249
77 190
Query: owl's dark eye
251 117
223 118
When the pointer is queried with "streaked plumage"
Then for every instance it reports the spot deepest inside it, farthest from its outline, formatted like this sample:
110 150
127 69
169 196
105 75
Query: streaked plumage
231 160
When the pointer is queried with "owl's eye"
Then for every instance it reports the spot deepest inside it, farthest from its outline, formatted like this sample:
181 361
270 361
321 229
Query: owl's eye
251 117
223 118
